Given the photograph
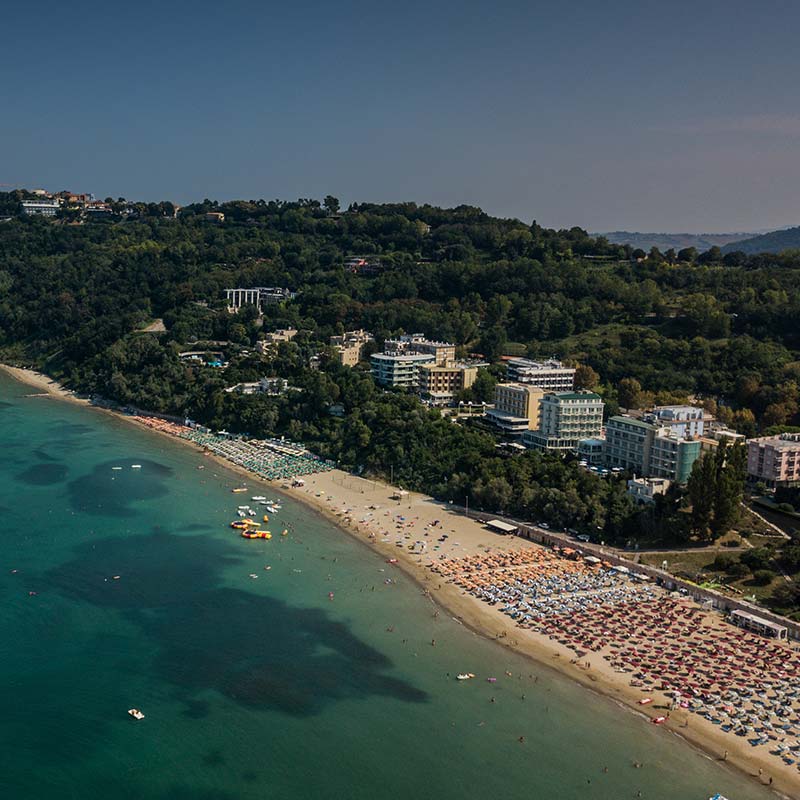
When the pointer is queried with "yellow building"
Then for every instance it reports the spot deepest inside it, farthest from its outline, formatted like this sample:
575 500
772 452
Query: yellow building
350 345
516 407
439 383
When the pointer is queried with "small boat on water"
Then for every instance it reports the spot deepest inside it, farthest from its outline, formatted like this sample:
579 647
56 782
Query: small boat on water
239 490
241 513
464 676
116 469
135 713
136 466
258 497
249 533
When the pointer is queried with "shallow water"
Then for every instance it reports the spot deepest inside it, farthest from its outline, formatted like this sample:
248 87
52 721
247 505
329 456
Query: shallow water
260 688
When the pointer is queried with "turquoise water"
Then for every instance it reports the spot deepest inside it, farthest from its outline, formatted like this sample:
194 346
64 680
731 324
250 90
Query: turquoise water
259 688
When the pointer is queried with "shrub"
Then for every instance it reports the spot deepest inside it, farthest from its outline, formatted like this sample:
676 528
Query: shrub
739 570
724 562
734 541
762 577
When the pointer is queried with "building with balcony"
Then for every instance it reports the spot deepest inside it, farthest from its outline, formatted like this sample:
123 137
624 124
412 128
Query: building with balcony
649 449
685 422
40 208
774 460
592 451
551 376
439 383
399 370
443 352
516 408
673 458
566 418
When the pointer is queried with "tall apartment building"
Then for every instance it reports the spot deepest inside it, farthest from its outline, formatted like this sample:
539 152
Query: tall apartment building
349 346
516 407
565 418
775 460
417 343
439 383
650 449
685 422
399 370
551 376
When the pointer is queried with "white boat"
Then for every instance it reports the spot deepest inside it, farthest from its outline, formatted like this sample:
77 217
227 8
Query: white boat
136 466
272 509
241 513
116 468
258 497
464 676
135 713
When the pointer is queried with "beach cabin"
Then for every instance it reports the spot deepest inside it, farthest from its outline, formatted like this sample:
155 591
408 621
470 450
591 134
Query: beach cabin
764 627
498 526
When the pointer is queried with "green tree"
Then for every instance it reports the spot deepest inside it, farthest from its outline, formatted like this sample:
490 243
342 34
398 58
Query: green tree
701 491
586 377
729 476
629 391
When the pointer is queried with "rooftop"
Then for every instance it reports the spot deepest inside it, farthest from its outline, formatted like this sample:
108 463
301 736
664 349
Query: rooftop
574 395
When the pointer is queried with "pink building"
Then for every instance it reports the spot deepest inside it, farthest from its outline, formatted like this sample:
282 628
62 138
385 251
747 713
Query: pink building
775 460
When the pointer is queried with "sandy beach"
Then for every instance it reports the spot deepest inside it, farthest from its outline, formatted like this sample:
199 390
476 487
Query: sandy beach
43 384
371 511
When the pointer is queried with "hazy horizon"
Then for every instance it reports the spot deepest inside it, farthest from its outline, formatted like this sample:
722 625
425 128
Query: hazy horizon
615 116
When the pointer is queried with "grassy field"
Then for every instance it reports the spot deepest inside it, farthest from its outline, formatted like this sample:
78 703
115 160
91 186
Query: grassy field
698 566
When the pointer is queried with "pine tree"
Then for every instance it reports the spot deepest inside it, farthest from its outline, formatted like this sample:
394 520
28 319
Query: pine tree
701 489
730 468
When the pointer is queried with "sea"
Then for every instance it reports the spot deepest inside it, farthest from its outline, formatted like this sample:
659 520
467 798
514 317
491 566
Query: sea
300 667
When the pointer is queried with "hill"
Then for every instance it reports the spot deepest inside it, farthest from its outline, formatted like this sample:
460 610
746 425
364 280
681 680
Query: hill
676 241
774 242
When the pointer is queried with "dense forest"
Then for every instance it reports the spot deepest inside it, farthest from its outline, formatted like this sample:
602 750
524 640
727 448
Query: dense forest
773 242
722 328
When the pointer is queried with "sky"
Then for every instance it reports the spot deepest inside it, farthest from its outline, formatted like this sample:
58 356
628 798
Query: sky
649 116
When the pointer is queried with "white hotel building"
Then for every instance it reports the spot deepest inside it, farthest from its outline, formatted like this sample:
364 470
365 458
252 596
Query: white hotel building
550 376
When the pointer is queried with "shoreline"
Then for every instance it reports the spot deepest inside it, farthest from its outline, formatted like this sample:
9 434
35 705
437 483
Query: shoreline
326 491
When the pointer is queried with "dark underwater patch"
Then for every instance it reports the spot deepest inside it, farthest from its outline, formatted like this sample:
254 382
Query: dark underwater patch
255 650
106 490
43 474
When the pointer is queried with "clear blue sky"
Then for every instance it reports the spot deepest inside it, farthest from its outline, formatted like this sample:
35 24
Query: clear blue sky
680 116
